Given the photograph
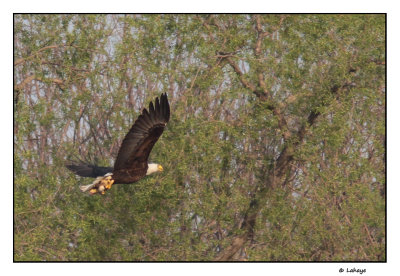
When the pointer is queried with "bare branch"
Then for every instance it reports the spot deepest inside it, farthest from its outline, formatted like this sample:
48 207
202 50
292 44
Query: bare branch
34 77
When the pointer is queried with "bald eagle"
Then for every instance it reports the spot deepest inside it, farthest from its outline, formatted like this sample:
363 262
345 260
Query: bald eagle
131 163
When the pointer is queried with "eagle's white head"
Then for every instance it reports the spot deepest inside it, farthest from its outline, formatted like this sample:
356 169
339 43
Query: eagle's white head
152 168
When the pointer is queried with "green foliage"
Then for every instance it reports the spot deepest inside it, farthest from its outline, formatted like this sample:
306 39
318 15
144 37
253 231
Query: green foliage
81 81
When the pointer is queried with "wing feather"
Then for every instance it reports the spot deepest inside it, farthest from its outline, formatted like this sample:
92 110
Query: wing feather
141 124
165 107
146 118
152 113
140 127
157 108
142 136
88 170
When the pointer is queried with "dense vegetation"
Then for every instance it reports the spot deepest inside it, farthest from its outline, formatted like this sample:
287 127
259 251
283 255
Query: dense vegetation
275 150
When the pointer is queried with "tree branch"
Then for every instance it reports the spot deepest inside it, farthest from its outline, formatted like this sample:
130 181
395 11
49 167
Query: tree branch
279 174
21 60
263 95
34 77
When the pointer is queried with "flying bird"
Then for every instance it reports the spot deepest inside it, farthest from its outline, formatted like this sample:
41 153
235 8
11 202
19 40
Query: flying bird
131 164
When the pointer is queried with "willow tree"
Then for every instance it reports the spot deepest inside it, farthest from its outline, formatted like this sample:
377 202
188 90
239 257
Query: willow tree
275 149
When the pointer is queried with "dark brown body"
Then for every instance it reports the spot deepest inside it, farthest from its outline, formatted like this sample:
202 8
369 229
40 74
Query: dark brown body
129 176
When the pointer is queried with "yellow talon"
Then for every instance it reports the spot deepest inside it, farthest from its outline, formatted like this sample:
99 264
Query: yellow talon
100 185
109 183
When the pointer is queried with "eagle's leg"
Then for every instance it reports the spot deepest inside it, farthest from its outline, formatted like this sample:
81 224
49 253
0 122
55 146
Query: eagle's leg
109 182
100 185
105 184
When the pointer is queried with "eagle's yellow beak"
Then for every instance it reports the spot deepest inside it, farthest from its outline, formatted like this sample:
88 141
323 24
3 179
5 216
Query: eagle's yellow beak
160 168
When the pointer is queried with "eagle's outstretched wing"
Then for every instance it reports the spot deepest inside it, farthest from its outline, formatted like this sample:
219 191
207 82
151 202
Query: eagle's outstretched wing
146 130
88 170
